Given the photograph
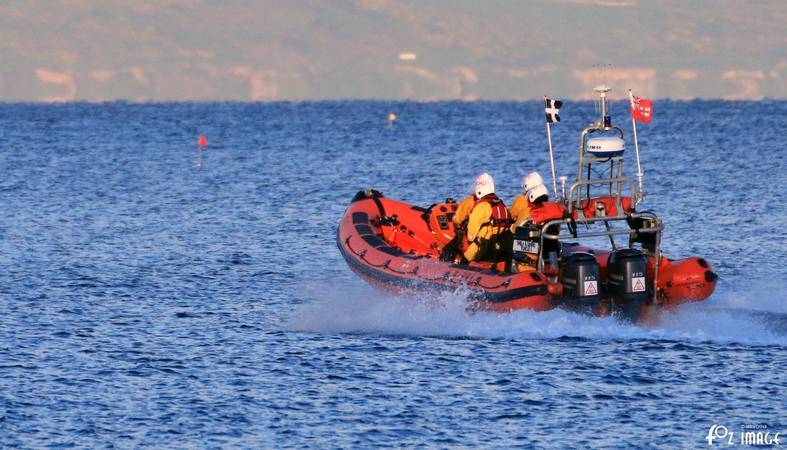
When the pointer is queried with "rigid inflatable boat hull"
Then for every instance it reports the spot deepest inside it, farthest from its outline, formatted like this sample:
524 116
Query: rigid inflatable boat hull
393 246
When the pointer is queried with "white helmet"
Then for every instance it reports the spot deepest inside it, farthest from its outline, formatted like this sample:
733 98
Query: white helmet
484 185
532 180
536 192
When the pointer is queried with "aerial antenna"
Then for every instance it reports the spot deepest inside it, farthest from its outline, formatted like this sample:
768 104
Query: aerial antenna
607 71
596 81
602 89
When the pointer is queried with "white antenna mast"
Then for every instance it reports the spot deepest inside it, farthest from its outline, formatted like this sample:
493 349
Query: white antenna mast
597 81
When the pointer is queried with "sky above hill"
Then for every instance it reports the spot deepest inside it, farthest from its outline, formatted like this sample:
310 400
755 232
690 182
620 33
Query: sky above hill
62 50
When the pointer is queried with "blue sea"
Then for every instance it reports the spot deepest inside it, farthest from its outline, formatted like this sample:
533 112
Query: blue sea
155 294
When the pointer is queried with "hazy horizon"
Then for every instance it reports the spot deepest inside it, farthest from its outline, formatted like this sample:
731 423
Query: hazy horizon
195 50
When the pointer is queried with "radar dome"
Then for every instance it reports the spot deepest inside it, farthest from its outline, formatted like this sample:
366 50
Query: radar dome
605 146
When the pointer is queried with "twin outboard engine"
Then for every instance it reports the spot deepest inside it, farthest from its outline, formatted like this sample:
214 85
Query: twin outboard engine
579 275
627 282
625 291
626 288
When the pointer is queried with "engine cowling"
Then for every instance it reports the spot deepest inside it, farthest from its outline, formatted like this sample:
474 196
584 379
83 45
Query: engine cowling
579 276
627 283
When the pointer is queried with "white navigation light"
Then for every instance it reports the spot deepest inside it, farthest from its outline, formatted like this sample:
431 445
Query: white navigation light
605 146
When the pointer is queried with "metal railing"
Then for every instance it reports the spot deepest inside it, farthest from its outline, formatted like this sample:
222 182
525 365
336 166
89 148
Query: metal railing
656 228
575 188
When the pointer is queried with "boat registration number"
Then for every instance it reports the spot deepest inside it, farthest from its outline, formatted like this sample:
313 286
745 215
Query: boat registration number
526 246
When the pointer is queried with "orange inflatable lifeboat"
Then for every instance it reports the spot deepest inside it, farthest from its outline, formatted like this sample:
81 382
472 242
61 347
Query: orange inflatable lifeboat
402 247
396 246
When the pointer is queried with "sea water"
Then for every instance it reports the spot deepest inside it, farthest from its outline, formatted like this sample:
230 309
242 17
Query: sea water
155 293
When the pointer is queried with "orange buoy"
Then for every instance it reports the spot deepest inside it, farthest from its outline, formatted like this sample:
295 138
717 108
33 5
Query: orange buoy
203 141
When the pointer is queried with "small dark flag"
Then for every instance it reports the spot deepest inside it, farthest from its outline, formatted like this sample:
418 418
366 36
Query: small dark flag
552 107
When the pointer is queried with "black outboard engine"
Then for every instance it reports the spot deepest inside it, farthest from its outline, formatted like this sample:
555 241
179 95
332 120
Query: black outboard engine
579 275
627 284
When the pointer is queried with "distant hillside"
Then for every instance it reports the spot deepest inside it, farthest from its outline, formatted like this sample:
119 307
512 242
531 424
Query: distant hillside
465 49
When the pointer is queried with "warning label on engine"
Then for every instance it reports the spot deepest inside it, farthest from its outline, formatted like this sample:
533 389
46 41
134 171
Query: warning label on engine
638 284
591 287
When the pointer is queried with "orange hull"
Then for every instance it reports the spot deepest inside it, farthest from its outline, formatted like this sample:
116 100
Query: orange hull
395 246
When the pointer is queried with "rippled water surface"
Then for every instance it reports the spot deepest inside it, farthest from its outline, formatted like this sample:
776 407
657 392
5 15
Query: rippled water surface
153 294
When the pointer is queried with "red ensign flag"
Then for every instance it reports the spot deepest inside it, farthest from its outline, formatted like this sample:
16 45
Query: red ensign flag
641 109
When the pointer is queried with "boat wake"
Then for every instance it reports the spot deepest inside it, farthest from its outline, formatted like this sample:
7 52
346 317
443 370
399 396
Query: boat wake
753 317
